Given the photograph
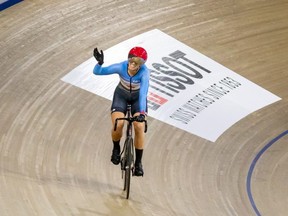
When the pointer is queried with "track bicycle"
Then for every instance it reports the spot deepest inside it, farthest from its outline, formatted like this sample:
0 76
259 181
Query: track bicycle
127 154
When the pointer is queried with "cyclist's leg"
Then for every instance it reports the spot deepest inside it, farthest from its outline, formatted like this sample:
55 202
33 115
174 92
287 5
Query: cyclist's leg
118 110
116 137
139 139
117 134
138 126
139 133
139 146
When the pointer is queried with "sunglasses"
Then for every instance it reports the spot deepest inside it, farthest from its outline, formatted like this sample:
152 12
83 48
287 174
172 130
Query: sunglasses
136 60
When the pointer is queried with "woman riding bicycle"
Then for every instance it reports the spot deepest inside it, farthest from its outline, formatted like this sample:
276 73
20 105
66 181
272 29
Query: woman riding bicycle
132 89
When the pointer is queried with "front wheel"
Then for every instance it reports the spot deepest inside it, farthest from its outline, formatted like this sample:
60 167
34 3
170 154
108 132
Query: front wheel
128 166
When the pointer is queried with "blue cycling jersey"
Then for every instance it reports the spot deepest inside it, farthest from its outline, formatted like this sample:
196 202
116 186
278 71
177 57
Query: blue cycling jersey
140 81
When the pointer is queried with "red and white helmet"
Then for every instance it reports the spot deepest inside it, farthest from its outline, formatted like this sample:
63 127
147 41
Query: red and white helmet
138 52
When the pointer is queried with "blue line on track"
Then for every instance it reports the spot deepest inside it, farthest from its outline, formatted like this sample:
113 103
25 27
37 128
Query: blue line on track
8 3
252 166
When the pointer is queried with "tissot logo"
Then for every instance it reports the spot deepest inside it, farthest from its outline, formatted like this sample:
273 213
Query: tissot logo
172 76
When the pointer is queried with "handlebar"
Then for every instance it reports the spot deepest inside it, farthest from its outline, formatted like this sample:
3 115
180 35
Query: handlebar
130 120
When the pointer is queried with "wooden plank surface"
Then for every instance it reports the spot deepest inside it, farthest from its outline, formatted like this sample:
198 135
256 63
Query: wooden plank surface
55 138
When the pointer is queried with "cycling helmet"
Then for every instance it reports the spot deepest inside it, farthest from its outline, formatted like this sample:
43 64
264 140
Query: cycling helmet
138 52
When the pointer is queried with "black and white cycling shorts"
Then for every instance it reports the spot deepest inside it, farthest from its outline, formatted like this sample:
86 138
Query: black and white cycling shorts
122 97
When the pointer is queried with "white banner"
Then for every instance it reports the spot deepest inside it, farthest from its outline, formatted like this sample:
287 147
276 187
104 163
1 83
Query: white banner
187 89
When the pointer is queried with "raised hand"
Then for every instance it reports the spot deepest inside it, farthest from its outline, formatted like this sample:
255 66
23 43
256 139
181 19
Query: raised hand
99 56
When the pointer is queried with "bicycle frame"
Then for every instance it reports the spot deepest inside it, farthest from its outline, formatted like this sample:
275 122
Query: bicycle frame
127 154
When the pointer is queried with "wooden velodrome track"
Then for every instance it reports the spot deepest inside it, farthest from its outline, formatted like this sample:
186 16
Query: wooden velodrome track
55 138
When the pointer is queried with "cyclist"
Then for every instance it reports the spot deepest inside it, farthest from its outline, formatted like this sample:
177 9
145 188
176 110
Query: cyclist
132 88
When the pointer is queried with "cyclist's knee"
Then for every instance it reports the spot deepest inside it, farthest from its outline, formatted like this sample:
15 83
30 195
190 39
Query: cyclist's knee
120 124
119 127
139 127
